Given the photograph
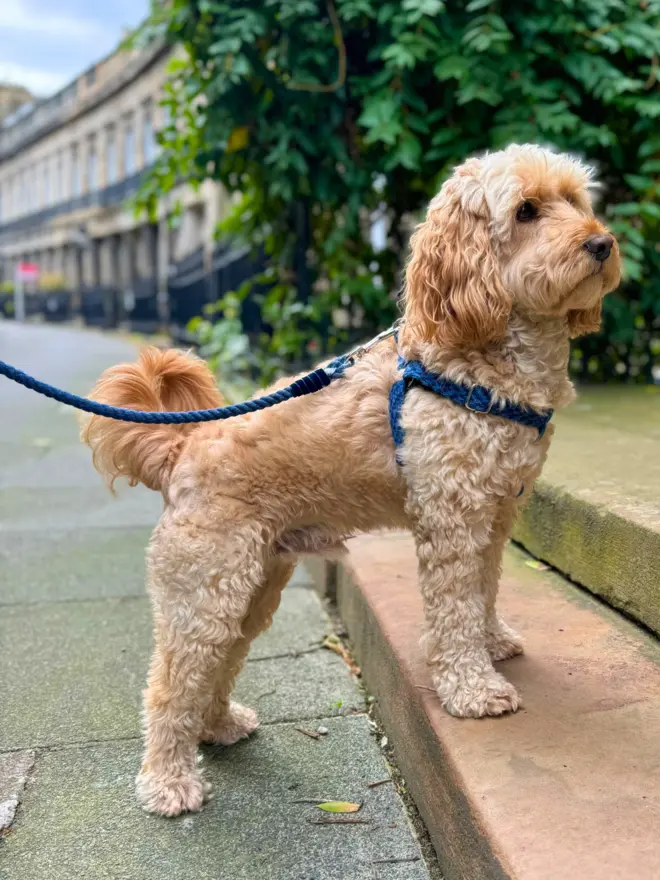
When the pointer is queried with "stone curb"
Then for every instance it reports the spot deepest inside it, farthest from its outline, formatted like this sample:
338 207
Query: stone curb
616 557
566 787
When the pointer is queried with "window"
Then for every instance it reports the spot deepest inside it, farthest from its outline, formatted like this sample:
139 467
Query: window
57 179
111 158
27 183
45 196
90 76
148 138
129 149
23 195
75 172
92 176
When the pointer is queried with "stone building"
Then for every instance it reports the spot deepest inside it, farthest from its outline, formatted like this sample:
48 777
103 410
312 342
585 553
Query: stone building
12 97
69 163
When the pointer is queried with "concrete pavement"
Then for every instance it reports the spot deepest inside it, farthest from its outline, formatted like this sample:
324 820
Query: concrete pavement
74 644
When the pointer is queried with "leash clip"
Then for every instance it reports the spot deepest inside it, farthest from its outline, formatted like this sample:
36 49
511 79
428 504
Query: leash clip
360 350
483 412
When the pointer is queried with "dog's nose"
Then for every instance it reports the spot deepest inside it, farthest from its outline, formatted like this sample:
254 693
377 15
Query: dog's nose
599 246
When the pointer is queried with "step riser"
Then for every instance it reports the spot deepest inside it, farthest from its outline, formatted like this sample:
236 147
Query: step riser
615 558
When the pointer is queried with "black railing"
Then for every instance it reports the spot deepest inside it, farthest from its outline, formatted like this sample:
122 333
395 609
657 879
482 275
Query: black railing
141 306
190 288
100 307
55 305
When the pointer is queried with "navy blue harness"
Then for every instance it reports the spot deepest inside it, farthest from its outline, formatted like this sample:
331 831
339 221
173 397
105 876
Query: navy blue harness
474 398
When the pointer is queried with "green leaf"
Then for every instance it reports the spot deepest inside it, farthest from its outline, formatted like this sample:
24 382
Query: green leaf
339 807
536 565
650 210
418 8
626 209
452 67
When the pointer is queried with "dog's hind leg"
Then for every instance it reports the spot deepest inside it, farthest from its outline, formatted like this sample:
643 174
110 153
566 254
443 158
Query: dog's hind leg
225 721
203 585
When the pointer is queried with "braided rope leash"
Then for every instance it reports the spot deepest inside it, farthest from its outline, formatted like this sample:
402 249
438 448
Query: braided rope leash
308 384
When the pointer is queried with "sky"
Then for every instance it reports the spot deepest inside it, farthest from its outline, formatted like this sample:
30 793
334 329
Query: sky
44 44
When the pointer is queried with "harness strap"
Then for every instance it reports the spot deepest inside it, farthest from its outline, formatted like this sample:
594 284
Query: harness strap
475 398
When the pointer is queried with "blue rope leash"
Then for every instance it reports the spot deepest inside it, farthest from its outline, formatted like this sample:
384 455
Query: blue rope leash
308 384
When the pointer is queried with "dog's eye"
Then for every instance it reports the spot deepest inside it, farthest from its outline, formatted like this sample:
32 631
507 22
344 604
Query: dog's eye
526 212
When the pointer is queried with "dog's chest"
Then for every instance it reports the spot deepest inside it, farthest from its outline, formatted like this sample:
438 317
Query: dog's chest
447 443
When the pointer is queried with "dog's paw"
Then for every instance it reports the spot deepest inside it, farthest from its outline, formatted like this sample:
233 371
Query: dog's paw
238 723
491 694
172 795
503 642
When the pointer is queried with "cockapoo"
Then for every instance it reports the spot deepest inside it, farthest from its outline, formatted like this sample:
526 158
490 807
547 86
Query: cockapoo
509 264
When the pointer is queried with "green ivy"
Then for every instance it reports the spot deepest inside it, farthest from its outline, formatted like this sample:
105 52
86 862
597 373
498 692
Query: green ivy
319 112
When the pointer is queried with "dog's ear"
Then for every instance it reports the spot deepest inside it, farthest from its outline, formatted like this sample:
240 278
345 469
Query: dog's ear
453 295
582 321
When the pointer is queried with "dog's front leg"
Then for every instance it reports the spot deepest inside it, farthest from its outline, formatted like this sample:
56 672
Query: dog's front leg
451 541
502 641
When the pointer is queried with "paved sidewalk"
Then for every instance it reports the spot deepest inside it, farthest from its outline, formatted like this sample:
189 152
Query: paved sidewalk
74 646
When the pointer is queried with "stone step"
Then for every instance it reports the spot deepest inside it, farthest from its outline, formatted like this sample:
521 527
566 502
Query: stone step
595 513
568 786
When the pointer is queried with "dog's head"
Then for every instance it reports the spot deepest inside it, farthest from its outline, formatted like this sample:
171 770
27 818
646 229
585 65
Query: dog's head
514 229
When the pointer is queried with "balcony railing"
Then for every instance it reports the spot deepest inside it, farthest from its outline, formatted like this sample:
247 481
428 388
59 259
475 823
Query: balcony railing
109 196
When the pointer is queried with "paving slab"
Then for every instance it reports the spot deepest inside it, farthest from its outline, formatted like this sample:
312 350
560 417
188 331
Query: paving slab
79 817
77 507
62 565
77 670
567 787
595 513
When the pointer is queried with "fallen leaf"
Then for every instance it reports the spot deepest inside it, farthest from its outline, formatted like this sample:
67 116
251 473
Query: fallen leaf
41 442
314 734
332 643
339 807
306 801
536 565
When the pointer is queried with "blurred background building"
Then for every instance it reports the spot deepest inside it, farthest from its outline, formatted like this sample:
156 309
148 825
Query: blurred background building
68 165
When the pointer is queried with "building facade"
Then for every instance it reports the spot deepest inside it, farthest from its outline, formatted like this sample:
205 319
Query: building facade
12 97
69 163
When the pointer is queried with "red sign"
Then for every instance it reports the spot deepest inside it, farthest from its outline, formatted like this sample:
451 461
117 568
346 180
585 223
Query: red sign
27 271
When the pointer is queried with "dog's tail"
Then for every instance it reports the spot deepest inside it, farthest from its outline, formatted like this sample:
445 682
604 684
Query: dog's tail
160 381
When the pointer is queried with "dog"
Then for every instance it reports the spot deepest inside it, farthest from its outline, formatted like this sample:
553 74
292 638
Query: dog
509 264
